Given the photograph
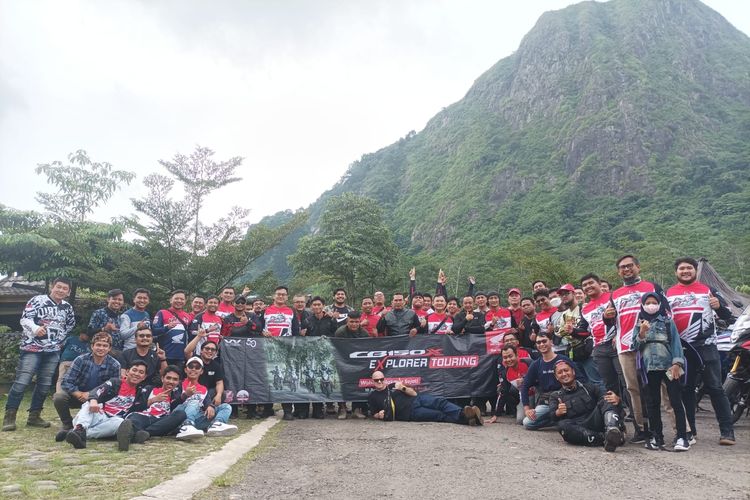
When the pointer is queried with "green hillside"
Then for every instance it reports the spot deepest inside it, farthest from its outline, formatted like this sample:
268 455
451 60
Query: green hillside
615 127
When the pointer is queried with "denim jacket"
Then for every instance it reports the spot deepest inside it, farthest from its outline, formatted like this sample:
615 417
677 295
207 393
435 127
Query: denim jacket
661 348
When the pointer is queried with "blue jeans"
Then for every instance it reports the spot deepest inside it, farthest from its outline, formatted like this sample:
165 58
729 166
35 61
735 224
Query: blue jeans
197 418
42 364
592 374
543 418
429 408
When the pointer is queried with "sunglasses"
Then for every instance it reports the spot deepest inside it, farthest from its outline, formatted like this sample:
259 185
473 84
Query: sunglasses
542 341
194 366
378 380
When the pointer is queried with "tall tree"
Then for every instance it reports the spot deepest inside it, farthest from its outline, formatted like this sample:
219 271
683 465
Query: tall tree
82 185
200 175
352 247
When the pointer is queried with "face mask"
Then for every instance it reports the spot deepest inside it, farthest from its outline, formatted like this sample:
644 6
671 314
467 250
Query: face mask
651 308
555 302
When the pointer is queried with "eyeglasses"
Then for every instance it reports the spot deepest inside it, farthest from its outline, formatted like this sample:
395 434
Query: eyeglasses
209 349
542 341
626 266
378 380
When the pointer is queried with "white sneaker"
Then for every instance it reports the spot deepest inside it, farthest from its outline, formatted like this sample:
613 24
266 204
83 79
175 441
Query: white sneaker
188 432
681 445
221 429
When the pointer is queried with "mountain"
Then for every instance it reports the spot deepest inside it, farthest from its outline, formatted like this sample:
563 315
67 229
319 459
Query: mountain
615 127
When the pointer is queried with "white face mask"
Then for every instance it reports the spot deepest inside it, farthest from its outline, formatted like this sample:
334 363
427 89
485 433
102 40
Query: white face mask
651 308
555 301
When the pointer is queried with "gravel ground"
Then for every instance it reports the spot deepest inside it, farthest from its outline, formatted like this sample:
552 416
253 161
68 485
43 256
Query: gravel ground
372 459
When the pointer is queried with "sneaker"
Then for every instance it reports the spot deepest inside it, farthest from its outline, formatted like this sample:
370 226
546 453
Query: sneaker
221 429
342 413
612 439
141 437
358 413
124 434
77 437
640 436
653 444
188 432
681 445
727 439
692 438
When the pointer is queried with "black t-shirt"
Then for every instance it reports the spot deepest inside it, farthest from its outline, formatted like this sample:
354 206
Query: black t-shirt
152 361
212 373
381 400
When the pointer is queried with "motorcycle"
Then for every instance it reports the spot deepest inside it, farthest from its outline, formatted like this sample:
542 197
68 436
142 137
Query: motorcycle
737 383
310 381
278 381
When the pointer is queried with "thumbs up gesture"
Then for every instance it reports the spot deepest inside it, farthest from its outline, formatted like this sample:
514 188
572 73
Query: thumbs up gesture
562 408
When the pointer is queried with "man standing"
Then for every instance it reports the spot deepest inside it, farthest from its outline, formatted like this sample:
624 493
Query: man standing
585 414
339 310
46 321
87 371
439 322
227 302
622 312
320 325
107 319
108 404
352 330
545 319
514 304
578 343
604 353
469 320
398 321
379 306
541 375
303 315
525 326
280 321
197 306
155 360
207 325
170 327
497 318
693 307
396 401
134 319
369 320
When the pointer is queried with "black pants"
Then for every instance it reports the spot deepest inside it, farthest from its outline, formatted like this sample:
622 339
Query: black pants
158 426
705 360
63 402
579 430
655 379
507 401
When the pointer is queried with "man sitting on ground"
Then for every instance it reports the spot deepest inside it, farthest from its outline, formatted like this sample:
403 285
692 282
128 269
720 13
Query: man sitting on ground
397 401
202 412
585 414
541 375
108 405
161 416
87 371
511 375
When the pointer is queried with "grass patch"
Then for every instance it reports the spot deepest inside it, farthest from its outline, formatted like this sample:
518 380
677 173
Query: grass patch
30 456
236 473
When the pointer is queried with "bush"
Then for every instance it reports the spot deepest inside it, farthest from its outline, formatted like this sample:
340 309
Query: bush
8 353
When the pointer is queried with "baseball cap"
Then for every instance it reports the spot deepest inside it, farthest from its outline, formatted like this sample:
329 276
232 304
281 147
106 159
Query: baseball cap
514 290
195 359
567 287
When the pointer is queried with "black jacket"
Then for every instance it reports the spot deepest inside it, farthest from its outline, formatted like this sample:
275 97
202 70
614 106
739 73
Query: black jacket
111 388
462 327
580 401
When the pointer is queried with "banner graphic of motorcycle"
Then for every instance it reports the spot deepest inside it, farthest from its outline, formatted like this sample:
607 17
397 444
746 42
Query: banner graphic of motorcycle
322 369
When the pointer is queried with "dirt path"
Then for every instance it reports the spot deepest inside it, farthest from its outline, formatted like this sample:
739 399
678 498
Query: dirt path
370 459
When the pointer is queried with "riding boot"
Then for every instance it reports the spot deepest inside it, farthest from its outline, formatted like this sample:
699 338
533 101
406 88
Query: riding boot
9 422
613 436
35 420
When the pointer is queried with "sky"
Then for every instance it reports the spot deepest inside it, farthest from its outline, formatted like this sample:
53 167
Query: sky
300 89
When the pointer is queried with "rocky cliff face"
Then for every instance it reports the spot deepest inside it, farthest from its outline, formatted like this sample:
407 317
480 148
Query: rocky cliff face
628 105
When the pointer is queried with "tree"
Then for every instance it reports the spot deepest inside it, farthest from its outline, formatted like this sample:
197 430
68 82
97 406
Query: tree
200 175
352 247
81 186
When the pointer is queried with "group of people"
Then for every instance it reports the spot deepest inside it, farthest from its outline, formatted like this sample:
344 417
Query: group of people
575 357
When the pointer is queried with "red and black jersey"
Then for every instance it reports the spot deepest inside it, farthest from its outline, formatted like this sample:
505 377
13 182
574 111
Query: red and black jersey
692 313
225 309
280 321
592 319
502 319
370 323
120 405
200 392
627 301
439 324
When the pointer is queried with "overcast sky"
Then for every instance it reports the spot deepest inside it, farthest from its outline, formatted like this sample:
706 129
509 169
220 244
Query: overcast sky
300 89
